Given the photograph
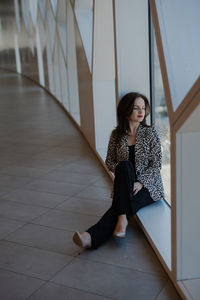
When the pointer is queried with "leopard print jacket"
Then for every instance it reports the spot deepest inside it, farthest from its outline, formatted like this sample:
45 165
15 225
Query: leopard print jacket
148 158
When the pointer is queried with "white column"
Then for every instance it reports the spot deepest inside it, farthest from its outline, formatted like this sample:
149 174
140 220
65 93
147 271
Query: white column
103 74
187 197
72 66
17 55
40 59
132 46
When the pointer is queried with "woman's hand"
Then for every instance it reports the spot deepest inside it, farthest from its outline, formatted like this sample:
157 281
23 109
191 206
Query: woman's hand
137 187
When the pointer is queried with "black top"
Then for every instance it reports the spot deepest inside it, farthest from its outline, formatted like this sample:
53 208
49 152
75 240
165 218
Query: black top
132 155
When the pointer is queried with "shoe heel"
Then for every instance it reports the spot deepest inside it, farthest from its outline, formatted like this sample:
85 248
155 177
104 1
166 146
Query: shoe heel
82 241
77 239
120 235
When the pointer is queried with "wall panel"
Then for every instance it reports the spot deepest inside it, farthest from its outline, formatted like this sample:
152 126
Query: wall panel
104 76
85 90
132 35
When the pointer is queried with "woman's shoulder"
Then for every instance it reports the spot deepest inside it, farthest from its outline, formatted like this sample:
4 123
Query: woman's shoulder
150 132
116 137
149 129
154 130
113 135
146 129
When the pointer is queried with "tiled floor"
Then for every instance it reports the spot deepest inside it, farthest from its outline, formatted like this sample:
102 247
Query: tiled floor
50 185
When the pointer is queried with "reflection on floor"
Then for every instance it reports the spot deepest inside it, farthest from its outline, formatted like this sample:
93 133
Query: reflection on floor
51 185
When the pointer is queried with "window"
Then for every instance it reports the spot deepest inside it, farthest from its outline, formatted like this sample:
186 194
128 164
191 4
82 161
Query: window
159 113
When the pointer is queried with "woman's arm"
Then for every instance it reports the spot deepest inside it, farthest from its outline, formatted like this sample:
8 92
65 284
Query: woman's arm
155 164
111 157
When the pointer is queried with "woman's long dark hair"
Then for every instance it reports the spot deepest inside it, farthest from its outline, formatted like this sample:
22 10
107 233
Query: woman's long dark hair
125 109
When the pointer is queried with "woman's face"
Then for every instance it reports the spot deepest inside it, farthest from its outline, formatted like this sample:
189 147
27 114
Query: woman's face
138 113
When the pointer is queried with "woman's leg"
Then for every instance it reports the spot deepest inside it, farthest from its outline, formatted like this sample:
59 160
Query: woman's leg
123 191
123 188
103 230
141 199
123 203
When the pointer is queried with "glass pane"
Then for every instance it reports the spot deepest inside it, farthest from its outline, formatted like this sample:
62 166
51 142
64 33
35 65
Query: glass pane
33 11
84 16
62 24
179 24
161 120
42 5
54 4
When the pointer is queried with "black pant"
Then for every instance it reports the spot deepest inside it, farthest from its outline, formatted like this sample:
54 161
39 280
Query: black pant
124 202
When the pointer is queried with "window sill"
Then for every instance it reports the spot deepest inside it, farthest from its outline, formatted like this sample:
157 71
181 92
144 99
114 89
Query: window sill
155 220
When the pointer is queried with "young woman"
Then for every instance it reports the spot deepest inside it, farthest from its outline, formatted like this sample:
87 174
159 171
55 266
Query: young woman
134 156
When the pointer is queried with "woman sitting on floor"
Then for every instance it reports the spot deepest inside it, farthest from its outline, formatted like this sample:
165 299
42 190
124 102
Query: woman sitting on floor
134 156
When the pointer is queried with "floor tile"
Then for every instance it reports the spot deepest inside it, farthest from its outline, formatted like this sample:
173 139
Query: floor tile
23 171
13 181
84 206
76 152
29 148
35 198
7 226
40 164
83 169
90 163
168 293
5 189
109 281
51 141
96 193
138 256
19 211
52 291
46 238
61 188
65 176
4 164
31 261
193 286
14 286
59 157
103 181
134 232
66 220
16 159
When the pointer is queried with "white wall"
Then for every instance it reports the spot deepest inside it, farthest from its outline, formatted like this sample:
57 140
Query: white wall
188 197
50 33
61 24
84 17
132 46
104 97
64 81
56 70
72 66
39 56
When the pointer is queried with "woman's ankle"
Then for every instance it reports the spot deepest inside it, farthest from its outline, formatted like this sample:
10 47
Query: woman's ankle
122 218
121 223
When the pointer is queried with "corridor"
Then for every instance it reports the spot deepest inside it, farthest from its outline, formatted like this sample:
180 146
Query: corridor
51 184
